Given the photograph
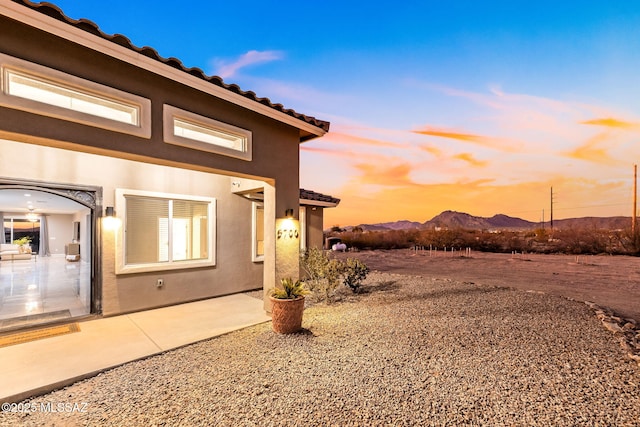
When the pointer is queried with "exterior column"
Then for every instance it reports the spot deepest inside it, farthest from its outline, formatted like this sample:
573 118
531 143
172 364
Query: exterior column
269 263
282 239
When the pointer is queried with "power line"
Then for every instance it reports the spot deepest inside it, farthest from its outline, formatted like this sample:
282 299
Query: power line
551 223
594 206
573 207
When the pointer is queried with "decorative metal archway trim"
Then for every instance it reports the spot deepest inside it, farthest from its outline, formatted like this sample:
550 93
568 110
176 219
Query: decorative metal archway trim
85 196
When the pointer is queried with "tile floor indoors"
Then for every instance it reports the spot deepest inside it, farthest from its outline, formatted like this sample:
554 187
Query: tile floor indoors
42 289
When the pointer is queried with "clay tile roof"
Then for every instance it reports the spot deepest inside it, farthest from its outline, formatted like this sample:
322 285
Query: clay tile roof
317 197
91 27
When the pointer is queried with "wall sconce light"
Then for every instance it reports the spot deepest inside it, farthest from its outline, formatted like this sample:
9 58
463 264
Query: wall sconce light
110 221
289 213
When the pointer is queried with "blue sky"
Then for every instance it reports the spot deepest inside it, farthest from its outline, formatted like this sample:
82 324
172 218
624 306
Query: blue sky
472 106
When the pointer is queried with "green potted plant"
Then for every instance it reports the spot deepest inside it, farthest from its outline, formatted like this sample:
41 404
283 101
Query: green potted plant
287 306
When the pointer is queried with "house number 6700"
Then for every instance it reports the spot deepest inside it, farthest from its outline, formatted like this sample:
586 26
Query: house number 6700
287 233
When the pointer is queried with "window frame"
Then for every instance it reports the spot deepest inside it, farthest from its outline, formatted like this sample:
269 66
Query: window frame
171 114
71 83
121 209
255 257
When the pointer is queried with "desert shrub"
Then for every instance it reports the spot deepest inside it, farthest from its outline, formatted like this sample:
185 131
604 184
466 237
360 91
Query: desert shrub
624 242
568 240
324 274
354 272
448 238
513 241
392 239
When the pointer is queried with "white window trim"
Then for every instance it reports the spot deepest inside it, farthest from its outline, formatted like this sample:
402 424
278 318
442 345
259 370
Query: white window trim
67 81
171 114
254 241
120 208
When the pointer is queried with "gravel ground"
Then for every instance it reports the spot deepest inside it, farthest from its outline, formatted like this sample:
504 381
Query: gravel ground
407 351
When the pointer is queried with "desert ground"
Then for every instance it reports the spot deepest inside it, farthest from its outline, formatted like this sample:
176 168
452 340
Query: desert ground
431 340
405 351
609 281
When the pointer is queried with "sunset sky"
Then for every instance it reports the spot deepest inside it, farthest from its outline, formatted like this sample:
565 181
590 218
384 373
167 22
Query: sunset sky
478 107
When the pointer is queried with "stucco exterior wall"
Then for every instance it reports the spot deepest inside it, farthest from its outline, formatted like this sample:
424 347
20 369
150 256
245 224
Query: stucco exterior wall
60 151
234 270
275 145
315 234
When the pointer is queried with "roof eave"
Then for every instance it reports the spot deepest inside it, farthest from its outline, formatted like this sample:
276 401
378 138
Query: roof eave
30 14
305 202
307 136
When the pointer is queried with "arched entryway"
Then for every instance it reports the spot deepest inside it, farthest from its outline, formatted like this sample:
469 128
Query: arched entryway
48 252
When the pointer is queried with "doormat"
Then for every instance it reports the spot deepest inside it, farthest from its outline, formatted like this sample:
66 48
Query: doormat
34 318
37 334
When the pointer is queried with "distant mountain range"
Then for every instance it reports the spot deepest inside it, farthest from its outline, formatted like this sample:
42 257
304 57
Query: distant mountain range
452 219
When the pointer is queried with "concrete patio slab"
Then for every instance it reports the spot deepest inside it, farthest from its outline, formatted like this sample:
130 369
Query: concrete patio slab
173 326
43 365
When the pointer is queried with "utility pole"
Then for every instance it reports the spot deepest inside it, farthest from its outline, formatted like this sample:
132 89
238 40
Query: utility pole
635 199
552 209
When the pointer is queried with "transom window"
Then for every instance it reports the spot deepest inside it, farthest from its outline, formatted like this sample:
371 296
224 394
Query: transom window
203 133
41 90
163 231
184 129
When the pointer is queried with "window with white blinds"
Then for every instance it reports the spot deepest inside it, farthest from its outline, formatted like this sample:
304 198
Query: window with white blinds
165 231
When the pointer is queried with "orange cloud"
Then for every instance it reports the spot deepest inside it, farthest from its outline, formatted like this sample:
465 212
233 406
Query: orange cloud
328 151
611 123
590 151
374 174
483 141
451 135
431 150
358 156
468 157
348 139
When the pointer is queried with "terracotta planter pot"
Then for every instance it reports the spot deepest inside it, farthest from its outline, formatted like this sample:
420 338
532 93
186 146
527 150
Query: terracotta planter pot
286 314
